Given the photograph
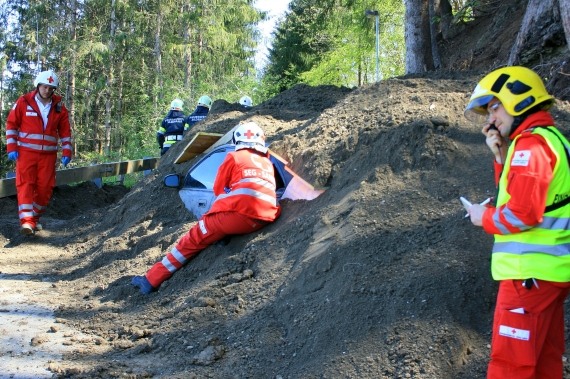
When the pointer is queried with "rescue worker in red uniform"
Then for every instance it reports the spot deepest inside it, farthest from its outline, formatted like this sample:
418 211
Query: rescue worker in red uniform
245 202
530 222
35 125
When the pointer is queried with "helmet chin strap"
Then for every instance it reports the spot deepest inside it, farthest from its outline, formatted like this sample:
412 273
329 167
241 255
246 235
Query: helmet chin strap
40 94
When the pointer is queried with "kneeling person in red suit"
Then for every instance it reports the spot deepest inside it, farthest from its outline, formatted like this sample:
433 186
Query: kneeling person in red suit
245 202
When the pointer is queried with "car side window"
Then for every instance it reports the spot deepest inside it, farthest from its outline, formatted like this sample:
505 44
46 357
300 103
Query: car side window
204 174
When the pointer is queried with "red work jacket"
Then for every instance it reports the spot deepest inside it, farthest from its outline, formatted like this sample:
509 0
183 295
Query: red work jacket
245 183
25 127
527 184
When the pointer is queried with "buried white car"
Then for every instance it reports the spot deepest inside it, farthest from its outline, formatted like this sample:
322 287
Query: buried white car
196 188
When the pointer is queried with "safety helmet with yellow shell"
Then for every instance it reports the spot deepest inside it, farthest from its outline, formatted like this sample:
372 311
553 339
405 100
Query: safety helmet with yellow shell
48 78
518 88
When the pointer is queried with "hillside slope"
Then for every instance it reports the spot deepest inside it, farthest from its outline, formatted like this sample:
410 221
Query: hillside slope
379 277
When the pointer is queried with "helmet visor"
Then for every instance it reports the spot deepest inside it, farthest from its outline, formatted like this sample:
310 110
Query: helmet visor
476 110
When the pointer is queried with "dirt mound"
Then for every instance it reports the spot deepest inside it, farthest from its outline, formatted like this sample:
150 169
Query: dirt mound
379 277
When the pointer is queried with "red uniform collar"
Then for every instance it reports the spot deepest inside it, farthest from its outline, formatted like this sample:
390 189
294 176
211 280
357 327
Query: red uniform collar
540 118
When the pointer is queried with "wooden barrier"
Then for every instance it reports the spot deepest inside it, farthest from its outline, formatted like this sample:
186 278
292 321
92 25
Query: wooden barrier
82 174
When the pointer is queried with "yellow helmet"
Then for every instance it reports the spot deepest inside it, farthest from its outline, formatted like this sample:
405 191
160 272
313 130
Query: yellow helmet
517 88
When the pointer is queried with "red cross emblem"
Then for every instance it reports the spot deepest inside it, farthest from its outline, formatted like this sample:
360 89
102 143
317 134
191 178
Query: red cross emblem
249 134
521 155
50 79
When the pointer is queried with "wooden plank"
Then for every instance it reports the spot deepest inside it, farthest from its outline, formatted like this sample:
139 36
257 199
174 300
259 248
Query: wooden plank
197 145
82 174
226 138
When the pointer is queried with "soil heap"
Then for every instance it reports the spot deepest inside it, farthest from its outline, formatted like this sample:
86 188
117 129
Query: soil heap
379 277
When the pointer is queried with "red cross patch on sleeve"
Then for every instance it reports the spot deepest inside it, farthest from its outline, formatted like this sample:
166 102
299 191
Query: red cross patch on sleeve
520 158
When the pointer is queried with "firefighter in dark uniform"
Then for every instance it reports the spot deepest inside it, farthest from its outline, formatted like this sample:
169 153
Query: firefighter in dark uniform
173 126
201 111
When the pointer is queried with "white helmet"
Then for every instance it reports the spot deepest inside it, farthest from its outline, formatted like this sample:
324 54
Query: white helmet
249 136
47 77
246 101
177 104
205 101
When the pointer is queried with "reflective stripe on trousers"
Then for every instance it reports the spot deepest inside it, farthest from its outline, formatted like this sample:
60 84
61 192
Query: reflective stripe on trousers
210 229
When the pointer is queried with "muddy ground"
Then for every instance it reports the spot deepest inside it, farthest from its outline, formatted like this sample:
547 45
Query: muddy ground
379 277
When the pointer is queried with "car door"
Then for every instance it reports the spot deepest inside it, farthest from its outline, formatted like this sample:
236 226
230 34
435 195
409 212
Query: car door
197 192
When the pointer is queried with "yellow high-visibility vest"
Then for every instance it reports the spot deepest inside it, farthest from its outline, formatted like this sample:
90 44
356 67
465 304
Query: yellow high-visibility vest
543 251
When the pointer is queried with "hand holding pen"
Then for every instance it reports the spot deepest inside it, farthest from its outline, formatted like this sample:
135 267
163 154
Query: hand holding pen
475 210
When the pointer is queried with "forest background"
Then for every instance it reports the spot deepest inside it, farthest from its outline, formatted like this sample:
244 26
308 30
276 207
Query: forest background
121 62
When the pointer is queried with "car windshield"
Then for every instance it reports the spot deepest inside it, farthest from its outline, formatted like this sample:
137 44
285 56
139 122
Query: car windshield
204 174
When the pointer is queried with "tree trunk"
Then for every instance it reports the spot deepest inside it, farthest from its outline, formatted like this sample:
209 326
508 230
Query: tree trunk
565 17
110 79
71 82
445 14
541 30
158 58
433 34
187 54
417 37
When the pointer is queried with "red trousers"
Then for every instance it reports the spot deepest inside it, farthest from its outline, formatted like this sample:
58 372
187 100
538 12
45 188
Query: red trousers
209 229
35 180
528 331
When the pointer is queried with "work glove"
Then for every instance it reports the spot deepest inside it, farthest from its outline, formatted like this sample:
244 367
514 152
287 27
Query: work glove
65 161
13 156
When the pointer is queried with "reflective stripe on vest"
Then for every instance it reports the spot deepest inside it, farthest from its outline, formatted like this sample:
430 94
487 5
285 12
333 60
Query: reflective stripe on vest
542 251
249 192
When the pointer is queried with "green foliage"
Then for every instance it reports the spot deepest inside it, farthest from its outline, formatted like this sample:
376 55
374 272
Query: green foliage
121 62
333 42
463 10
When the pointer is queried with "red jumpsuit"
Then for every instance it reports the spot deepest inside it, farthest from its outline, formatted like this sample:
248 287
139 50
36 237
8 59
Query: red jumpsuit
528 324
246 201
37 146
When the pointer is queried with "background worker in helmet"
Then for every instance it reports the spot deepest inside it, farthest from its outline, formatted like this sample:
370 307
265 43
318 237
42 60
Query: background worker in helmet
246 102
173 126
245 202
37 122
201 111
530 221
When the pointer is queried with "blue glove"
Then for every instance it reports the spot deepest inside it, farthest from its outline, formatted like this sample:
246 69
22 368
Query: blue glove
13 156
65 161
